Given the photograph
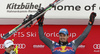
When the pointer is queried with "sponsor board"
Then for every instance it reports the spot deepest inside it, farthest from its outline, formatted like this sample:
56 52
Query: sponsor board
67 9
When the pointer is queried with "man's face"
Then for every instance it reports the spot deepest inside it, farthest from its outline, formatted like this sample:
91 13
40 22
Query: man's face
63 37
10 48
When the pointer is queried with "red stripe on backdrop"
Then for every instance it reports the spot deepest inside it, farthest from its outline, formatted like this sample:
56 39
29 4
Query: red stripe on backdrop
29 42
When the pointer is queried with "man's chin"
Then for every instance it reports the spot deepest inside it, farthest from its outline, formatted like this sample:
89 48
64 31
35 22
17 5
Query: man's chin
12 49
62 41
12 52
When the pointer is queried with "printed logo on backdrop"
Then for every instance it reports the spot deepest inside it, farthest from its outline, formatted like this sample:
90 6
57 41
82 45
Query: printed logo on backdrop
21 34
23 46
38 46
22 7
96 47
31 7
75 8
42 46
82 46
34 34
55 34
20 46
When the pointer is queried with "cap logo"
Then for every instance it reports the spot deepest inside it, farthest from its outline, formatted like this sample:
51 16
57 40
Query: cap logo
62 30
8 42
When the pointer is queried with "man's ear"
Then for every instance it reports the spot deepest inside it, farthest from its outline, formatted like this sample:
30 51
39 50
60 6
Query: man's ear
67 36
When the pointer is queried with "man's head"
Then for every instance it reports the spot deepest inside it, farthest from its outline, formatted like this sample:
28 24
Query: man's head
9 45
63 35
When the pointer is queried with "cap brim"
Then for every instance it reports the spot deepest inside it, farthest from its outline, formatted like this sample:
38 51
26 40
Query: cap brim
62 33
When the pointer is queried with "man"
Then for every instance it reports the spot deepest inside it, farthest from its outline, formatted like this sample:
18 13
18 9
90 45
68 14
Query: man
9 47
63 46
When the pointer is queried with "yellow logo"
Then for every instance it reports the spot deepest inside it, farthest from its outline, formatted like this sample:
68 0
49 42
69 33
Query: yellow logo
16 50
63 49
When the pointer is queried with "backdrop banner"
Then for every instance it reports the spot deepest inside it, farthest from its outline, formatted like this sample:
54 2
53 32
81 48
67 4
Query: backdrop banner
28 41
